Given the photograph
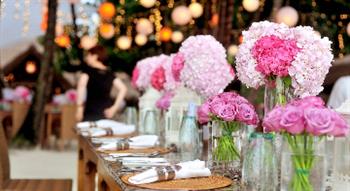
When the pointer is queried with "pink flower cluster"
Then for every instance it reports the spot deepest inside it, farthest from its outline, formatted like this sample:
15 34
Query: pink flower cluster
71 96
227 106
205 69
164 102
274 55
307 115
22 94
275 49
144 69
158 78
177 66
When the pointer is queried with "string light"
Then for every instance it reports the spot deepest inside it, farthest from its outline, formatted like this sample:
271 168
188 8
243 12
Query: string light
171 4
157 23
26 16
17 9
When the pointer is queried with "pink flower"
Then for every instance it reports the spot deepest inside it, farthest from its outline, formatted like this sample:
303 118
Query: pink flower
310 101
318 121
158 78
203 113
292 120
177 66
226 112
71 95
274 55
341 129
135 76
22 93
272 120
164 102
246 113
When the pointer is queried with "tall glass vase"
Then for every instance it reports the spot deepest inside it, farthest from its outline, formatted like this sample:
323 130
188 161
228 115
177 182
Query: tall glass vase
226 147
303 165
260 168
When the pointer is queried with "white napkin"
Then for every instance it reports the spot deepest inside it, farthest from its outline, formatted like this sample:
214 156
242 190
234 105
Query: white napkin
138 142
188 169
120 129
103 123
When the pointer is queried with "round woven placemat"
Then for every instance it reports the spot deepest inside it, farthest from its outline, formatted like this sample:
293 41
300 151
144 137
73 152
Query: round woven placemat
161 150
203 183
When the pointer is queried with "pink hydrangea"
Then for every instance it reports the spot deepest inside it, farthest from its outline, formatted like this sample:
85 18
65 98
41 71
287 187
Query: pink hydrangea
170 82
274 55
164 102
135 76
302 54
177 65
158 78
205 69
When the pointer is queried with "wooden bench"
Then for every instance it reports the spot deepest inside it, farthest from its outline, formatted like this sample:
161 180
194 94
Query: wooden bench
8 184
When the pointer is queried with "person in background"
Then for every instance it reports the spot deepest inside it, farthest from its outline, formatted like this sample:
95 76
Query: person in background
340 92
95 84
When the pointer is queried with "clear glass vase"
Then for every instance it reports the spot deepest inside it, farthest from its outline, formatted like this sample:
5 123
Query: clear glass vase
189 144
260 168
303 164
150 123
278 91
226 148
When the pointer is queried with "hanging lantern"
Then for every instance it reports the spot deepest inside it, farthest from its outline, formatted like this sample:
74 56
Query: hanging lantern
144 26
240 39
30 67
232 50
177 37
124 42
140 39
87 42
107 10
287 15
181 15
348 29
196 9
147 3
214 21
44 19
250 5
106 30
165 34
62 41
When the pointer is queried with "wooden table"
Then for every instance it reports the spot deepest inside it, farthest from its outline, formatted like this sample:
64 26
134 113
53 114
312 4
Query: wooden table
91 163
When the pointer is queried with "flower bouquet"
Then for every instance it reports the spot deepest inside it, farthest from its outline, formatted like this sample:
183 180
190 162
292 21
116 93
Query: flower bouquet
230 111
22 94
303 123
291 62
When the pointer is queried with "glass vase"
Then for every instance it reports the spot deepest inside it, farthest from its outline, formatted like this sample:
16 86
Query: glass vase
260 168
226 148
278 91
303 165
150 123
189 144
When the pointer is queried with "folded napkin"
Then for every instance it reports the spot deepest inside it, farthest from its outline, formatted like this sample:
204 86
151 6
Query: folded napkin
138 142
188 169
117 129
103 123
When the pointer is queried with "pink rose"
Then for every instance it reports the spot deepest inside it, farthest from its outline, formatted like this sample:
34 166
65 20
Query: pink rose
135 77
318 121
215 103
246 113
341 129
310 101
226 112
272 120
203 113
158 78
292 120
177 66
164 102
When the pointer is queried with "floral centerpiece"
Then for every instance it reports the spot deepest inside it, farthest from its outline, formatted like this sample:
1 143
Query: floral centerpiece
303 123
22 94
204 67
293 62
230 110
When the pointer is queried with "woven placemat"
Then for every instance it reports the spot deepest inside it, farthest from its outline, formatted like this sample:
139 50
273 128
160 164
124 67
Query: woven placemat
161 150
203 183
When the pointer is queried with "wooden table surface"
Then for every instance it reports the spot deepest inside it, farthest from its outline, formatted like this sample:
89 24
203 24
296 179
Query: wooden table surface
91 163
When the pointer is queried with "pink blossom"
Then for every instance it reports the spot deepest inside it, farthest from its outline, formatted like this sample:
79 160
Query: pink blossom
158 78
272 120
177 66
164 102
274 55
310 101
22 93
341 129
292 120
246 113
203 113
318 121
71 96
135 76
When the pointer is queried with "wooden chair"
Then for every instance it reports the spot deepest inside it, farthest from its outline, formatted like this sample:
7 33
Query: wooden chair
8 184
